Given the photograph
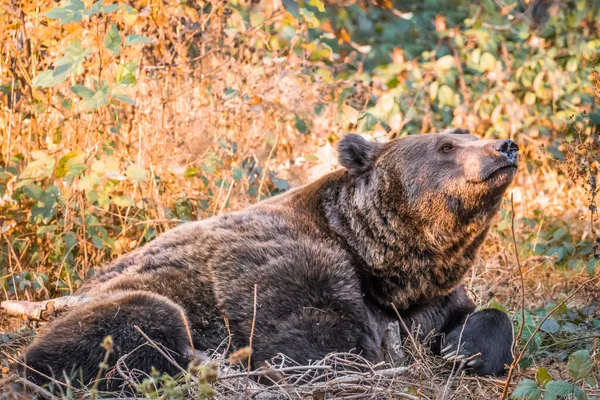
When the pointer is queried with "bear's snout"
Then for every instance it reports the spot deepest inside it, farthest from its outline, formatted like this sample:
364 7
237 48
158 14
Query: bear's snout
508 149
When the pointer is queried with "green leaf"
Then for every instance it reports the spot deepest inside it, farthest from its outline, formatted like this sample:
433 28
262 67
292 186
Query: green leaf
75 51
71 62
366 122
291 6
134 39
136 173
237 174
446 95
75 170
99 98
433 90
70 240
280 184
559 388
591 381
45 208
44 79
123 201
46 229
97 241
550 326
64 66
580 364
318 4
70 12
66 162
527 390
111 8
579 393
125 74
572 65
124 98
96 8
301 125
543 377
58 13
112 39
487 61
445 62
82 91
558 251
322 51
530 98
33 191
229 94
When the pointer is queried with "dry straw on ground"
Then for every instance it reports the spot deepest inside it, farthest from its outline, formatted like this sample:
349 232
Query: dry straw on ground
191 106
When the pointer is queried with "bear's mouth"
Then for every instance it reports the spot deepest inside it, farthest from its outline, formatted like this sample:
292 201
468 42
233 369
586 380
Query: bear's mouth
502 173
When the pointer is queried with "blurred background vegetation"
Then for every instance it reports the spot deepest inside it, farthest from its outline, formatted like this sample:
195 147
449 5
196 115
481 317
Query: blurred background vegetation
119 120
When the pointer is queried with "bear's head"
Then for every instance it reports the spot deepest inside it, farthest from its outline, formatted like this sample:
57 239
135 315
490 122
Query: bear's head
416 210
444 178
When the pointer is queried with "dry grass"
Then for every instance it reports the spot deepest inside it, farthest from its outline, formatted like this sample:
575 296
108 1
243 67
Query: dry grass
183 120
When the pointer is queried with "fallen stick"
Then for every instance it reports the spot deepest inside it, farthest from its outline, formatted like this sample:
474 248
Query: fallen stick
43 310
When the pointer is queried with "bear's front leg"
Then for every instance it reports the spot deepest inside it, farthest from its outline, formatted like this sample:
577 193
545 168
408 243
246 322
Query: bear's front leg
485 340
488 334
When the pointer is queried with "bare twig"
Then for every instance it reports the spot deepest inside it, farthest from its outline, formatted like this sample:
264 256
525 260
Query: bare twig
408 331
189 333
250 343
42 310
161 351
517 340
287 369
460 367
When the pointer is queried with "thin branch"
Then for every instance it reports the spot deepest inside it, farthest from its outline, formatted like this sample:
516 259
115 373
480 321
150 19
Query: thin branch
161 351
43 310
250 343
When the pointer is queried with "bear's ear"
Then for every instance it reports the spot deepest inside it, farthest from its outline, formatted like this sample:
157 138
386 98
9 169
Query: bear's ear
357 154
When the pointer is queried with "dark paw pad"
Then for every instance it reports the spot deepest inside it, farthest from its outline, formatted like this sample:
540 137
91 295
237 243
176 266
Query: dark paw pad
485 343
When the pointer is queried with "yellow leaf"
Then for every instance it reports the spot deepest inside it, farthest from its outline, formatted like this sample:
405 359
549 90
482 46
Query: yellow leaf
254 100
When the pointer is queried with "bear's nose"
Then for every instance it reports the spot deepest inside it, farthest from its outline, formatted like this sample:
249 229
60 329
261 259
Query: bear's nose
507 148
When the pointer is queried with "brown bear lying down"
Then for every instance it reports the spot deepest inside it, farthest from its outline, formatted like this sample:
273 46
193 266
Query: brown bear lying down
401 224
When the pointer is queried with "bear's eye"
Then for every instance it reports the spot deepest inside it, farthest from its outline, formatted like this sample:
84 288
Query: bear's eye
447 147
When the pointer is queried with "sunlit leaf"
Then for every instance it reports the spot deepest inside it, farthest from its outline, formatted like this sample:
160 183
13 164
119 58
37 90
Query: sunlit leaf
125 74
124 98
96 8
527 390
559 388
446 95
580 364
301 125
136 173
112 39
543 377
366 122
82 91
134 39
111 8
123 201
44 79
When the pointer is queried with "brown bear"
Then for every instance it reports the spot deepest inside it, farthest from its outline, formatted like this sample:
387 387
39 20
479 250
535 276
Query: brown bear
400 224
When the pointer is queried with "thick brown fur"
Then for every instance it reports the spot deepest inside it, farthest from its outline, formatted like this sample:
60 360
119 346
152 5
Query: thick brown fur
401 224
